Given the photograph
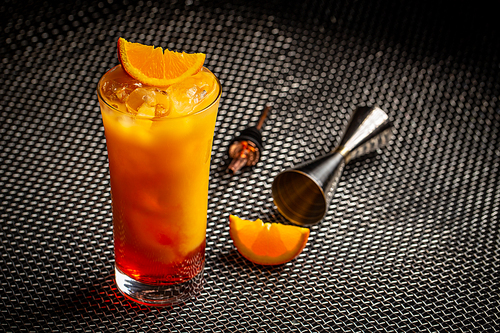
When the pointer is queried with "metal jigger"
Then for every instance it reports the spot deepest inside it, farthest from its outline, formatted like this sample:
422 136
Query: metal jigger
302 194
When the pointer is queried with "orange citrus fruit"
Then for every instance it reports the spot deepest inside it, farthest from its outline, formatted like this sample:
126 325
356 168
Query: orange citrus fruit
155 67
267 243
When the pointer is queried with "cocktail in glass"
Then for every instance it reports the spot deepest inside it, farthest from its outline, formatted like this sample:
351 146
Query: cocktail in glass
159 144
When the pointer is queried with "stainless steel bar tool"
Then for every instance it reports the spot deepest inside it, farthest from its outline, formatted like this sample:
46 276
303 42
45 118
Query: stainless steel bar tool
246 148
302 194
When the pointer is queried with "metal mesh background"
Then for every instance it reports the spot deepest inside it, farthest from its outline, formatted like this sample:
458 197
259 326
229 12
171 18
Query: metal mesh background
411 239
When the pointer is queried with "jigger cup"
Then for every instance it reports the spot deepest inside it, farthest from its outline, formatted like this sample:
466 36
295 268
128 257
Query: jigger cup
302 194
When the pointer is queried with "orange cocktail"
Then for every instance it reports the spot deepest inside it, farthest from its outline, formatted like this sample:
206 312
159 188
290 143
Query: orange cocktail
159 142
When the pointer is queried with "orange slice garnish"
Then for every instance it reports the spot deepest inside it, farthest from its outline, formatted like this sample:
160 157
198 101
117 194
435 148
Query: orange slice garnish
267 243
155 67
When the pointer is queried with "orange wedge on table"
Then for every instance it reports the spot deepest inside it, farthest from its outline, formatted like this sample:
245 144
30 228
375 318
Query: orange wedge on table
267 243
155 67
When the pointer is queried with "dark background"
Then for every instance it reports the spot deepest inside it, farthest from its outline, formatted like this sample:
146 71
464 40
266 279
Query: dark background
411 239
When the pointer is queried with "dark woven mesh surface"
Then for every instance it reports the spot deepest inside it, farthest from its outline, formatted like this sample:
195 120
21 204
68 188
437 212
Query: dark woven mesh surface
411 240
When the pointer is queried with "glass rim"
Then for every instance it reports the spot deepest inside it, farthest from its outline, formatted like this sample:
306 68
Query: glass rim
101 98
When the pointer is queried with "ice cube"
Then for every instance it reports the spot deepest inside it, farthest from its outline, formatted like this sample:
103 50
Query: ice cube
149 102
119 85
162 107
188 93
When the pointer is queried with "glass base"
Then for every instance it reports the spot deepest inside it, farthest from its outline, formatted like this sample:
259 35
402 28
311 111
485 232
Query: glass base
158 295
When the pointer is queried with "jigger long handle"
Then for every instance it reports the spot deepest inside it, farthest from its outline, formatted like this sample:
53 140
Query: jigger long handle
302 194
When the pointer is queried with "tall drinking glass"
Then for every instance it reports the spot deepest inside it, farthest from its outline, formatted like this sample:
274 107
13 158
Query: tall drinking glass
159 162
